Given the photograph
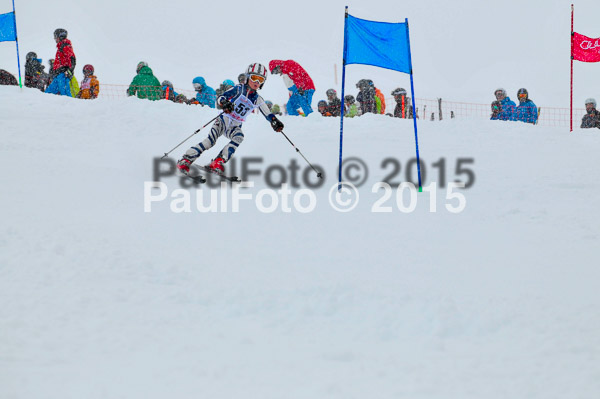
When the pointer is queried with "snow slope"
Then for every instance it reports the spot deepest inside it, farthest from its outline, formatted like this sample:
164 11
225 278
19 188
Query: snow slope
103 300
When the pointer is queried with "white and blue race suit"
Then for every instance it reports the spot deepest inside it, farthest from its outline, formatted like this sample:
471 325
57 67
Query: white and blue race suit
244 101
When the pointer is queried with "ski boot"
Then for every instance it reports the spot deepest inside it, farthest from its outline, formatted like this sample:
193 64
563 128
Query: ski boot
183 165
217 165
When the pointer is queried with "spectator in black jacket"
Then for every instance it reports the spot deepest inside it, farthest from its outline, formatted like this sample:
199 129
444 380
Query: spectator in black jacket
334 104
323 108
7 78
366 97
35 76
403 105
592 118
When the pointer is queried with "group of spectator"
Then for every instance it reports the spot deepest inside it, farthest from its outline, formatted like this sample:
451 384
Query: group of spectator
505 109
61 80
369 100
146 86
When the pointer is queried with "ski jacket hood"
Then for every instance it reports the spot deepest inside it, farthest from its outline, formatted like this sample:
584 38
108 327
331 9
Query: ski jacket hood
146 71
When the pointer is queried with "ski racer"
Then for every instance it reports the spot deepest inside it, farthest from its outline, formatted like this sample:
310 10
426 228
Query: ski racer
237 103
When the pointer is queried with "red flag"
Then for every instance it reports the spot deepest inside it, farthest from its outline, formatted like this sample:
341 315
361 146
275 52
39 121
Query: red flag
585 49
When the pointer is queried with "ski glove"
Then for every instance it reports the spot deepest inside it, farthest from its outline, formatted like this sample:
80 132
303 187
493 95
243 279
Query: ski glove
276 124
227 106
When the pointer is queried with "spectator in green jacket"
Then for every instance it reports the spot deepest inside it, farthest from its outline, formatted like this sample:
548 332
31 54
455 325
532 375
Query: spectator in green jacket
145 84
276 110
350 108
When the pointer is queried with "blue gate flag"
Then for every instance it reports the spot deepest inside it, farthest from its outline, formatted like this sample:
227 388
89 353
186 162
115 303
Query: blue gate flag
8 32
379 44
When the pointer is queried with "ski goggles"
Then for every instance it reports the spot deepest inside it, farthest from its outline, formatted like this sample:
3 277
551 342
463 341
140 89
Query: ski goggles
522 95
257 79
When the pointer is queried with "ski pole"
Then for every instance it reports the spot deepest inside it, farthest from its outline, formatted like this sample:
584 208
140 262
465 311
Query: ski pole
167 153
319 175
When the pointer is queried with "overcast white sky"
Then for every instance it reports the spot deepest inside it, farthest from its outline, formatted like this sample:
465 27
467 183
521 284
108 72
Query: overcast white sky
462 50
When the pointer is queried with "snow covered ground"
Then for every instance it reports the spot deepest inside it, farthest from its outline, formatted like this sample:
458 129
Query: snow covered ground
103 300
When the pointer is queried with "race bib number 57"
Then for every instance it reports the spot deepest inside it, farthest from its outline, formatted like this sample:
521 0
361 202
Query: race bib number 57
241 108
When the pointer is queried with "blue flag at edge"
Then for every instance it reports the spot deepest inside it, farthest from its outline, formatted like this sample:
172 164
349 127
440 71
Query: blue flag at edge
7 27
379 44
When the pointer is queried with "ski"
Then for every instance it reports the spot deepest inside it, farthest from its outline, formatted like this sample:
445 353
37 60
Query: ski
232 179
198 179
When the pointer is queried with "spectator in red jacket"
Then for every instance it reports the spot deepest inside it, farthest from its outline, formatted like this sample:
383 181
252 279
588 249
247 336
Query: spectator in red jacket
299 84
64 65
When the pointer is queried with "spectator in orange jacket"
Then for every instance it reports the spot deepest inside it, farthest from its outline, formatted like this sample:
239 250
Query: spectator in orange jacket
89 87
379 99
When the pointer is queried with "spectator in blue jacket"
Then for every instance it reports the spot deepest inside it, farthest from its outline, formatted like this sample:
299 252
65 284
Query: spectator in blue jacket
508 107
206 95
527 110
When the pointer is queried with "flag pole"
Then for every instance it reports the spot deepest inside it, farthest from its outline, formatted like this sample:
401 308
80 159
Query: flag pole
412 89
17 42
571 67
343 90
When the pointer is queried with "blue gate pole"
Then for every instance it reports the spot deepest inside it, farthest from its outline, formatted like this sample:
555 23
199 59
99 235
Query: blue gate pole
17 41
412 90
343 90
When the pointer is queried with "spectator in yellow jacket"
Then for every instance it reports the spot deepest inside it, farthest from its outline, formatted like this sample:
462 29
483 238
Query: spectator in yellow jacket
89 87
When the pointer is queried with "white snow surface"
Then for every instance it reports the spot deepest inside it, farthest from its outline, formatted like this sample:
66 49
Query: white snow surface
103 300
